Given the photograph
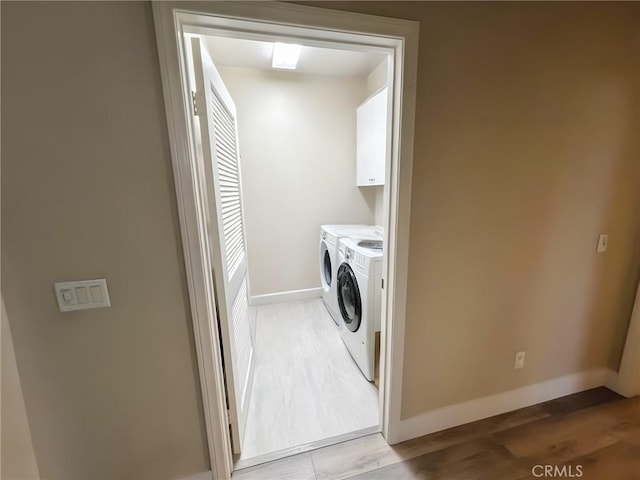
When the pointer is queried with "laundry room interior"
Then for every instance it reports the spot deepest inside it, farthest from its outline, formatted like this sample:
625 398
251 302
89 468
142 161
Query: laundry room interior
313 151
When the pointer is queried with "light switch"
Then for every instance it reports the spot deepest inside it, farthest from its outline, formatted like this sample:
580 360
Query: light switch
67 297
96 293
82 295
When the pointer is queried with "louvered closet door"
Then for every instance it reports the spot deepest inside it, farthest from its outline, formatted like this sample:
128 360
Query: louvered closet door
217 116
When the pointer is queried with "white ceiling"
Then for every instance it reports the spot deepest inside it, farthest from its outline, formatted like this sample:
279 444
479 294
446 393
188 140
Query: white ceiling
233 52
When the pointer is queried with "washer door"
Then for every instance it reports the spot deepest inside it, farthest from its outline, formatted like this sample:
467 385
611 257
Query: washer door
326 272
349 297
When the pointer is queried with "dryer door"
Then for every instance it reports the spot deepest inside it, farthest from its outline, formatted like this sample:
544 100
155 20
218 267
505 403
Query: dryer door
349 297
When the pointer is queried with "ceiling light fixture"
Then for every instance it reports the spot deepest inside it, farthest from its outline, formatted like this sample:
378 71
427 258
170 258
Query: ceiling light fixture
285 55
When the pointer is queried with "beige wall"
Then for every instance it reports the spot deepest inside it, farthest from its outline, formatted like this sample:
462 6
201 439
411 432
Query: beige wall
526 149
298 145
18 460
87 192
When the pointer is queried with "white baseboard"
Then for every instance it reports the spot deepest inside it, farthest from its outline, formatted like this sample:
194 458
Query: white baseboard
199 476
281 297
472 410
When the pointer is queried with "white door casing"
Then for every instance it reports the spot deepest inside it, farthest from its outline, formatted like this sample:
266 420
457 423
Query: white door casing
320 27
216 113
628 379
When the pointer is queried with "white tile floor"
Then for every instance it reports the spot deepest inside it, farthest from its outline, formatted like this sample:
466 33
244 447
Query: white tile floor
306 386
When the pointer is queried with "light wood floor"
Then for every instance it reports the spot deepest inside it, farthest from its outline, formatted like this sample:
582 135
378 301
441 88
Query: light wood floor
596 429
306 387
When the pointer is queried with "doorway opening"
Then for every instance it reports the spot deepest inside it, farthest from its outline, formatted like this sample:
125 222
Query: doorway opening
296 174
293 193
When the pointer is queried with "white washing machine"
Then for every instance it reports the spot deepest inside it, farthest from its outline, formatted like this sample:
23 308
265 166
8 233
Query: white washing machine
329 236
359 295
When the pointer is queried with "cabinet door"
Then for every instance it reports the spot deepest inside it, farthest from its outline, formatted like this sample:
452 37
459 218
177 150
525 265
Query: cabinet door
372 140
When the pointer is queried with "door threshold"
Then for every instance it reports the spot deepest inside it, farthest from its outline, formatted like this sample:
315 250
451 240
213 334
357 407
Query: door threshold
288 452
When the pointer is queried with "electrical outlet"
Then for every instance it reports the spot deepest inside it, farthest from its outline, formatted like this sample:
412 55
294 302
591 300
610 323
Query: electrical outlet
603 240
519 363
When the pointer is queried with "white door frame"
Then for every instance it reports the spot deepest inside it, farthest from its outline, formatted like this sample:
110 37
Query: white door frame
318 27
627 380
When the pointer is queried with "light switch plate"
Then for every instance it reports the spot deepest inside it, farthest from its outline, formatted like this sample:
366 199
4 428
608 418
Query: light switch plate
82 295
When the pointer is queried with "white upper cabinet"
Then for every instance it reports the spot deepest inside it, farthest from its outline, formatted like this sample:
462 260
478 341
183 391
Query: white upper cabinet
372 140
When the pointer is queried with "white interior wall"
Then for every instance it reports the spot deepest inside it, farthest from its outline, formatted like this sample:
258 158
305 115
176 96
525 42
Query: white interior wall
297 135
18 458
377 78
